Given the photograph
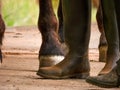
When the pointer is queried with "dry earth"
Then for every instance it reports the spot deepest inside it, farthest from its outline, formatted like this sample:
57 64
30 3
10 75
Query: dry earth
20 63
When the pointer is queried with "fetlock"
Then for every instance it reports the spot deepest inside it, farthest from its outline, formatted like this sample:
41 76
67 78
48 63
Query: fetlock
51 51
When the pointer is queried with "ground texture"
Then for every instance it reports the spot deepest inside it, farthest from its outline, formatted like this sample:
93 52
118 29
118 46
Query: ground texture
20 62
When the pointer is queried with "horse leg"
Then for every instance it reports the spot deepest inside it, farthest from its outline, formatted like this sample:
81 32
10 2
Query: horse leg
50 52
103 42
60 28
60 18
95 3
2 30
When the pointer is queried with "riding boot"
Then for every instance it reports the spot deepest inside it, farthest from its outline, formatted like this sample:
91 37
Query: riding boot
112 37
77 35
109 80
50 52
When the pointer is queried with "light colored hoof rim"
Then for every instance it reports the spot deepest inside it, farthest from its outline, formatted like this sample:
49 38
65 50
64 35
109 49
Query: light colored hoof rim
45 61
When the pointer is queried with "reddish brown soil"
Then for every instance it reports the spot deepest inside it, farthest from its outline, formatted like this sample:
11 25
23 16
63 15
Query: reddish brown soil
20 63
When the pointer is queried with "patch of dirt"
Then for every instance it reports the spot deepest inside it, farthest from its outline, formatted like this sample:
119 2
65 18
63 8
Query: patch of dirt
20 63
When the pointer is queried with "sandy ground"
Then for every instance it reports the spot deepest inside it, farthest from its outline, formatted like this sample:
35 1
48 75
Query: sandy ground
20 63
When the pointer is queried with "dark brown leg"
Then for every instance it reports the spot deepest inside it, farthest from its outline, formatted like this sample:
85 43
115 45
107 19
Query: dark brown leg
60 28
2 30
60 17
103 41
50 52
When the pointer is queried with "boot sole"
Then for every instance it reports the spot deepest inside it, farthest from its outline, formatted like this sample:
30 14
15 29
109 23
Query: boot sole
76 76
101 84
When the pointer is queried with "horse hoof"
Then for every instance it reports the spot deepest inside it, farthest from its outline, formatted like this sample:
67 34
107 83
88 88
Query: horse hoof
102 54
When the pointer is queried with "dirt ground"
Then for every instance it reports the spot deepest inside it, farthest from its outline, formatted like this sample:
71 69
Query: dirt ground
20 63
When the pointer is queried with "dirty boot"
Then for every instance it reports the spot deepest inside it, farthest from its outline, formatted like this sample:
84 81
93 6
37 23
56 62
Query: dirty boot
77 35
109 80
111 33
110 63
